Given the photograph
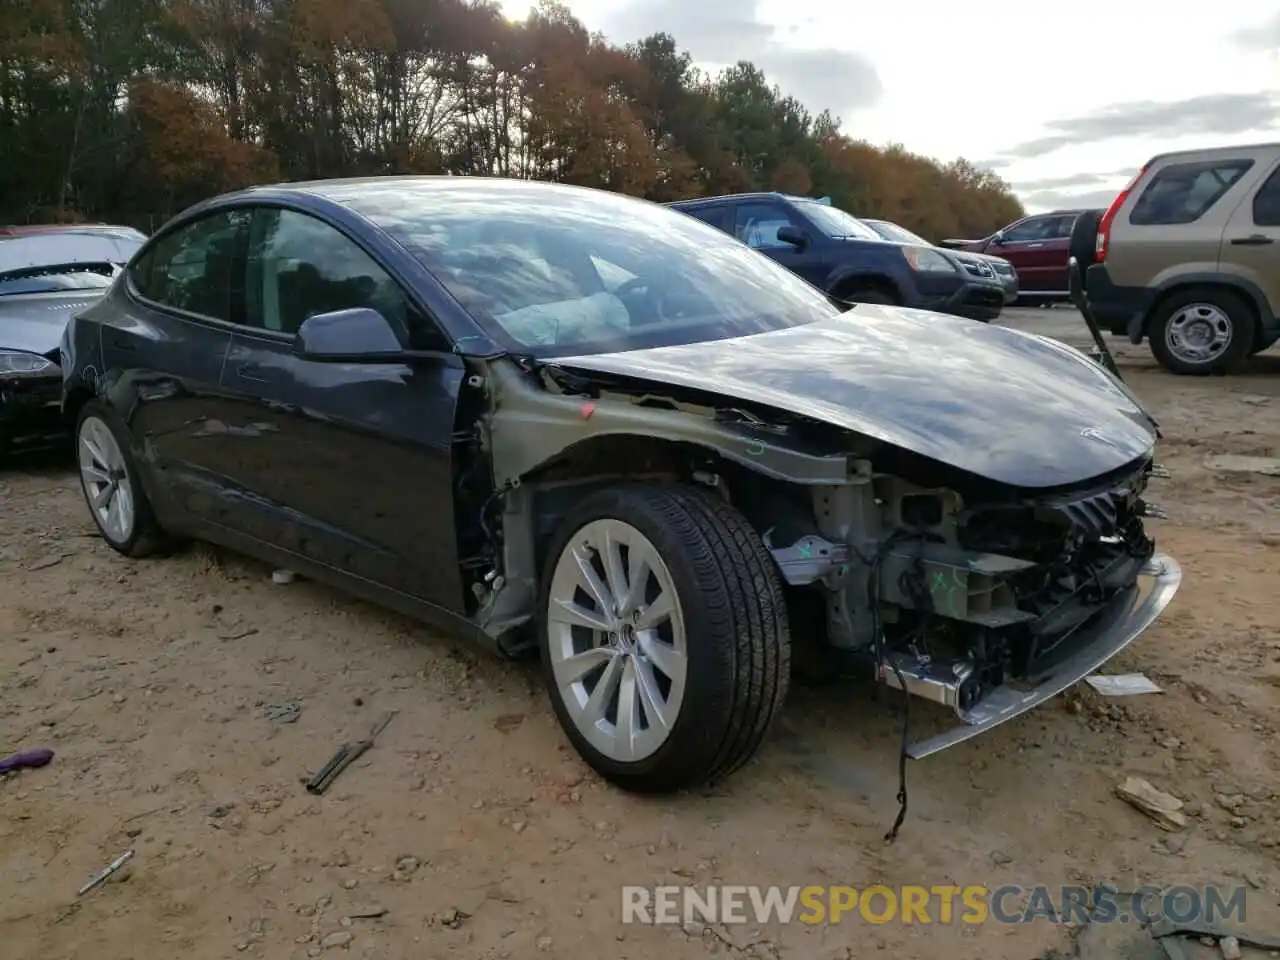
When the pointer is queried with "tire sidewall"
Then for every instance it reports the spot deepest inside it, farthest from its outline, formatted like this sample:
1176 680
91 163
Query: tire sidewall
708 686
1242 332
141 509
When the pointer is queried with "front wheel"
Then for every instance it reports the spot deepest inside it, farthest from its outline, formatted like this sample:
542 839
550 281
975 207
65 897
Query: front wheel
664 636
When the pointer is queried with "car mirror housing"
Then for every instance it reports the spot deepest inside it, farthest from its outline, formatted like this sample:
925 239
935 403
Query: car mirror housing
793 235
998 237
361 333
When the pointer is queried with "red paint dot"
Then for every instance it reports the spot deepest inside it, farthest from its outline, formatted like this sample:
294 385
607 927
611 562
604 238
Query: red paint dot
587 410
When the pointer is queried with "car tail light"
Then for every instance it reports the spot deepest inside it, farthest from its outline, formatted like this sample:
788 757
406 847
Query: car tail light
1103 240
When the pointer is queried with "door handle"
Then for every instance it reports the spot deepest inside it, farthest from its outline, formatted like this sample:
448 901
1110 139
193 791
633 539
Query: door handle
1031 246
1257 240
251 371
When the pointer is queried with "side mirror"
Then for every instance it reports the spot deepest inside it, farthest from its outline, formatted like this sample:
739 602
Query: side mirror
794 236
998 237
359 334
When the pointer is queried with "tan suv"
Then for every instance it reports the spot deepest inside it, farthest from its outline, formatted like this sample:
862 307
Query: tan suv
1188 255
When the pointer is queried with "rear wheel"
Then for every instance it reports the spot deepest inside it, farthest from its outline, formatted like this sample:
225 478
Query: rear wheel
1202 331
110 483
665 643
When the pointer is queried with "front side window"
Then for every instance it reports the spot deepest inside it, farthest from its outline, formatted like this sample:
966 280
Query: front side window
556 271
1185 192
190 269
298 266
757 225
1032 229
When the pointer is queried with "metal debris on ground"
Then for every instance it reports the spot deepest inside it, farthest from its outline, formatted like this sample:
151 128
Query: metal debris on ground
284 712
103 875
1163 808
1121 684
1237 463
26 760
347 754
282 576
1170 936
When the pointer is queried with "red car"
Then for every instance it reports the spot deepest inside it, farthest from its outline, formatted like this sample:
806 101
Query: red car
1037 246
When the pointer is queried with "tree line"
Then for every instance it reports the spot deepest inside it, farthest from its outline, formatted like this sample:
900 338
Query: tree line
130 110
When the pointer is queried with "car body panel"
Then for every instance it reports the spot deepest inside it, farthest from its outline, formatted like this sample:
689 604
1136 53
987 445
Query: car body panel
34 322
343 462
862 372
41 249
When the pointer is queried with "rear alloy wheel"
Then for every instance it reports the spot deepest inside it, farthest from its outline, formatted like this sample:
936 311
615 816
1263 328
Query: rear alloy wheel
664 636
1201 332
116 501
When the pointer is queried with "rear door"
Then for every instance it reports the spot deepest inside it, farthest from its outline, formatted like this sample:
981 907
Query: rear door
1037 248
1176 221
347 464
1251 241
757 222
163 351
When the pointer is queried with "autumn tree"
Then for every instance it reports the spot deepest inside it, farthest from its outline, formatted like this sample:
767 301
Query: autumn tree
128 110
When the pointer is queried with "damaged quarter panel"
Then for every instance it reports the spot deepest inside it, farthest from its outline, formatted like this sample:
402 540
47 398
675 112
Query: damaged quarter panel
991 401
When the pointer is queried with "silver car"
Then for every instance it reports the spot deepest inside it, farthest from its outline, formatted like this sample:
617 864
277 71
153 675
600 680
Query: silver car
1002 268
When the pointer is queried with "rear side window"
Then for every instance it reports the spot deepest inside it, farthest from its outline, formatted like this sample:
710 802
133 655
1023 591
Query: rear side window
1185 192
717 217
1266 202
191 268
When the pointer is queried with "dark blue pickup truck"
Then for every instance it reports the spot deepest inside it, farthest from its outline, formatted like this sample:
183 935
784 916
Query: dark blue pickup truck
841 255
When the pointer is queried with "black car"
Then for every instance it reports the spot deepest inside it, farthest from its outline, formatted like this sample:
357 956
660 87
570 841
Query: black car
553 418
841 255
34 308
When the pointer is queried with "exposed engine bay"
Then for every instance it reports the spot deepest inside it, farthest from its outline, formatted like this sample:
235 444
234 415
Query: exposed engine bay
969 593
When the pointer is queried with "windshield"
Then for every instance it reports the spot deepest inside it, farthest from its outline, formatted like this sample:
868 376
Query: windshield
834 222
554 271
891 231
42 280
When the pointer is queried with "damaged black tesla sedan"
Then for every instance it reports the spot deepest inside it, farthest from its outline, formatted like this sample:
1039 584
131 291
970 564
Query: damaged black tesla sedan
556 418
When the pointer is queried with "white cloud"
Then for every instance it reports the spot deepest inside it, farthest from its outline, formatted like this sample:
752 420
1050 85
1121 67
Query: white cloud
1099 85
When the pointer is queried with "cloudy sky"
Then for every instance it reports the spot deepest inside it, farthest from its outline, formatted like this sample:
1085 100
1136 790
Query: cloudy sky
1064 100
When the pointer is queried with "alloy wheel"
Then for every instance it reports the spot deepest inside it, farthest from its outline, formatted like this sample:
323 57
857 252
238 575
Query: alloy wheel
617 640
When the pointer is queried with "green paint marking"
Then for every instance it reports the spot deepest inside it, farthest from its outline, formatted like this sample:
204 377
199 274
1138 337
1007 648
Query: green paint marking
755 449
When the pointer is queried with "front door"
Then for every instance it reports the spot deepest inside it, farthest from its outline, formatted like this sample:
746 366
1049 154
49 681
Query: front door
1251 241
166 345
347 464
1038 249
757 222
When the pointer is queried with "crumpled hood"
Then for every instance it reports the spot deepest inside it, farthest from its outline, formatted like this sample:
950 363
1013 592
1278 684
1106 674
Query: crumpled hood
34 322
1012 407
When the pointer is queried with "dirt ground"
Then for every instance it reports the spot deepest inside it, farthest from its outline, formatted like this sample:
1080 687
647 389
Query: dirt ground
475 832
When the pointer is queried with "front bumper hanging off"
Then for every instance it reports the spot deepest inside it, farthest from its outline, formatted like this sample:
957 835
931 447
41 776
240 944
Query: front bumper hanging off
1114 628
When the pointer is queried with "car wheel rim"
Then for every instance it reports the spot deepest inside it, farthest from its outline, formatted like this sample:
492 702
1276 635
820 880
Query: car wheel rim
106 481
617 641
1198 333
